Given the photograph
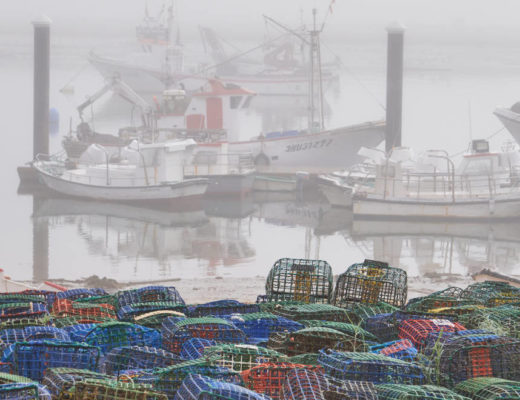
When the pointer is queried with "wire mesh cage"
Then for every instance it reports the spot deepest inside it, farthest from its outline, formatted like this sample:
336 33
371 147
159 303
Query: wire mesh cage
268 378
149 294
417 330
11 336
194 348
298 312
31 359
464 357
75 294
22 310
458 311
116 334
69 308
168 380
370 367
491 293
311 340
222 307
503 320
488 388
136 357
134 311
155 319
431 303
359 312
371 282
352 330
101 299
259 326
239 357
196 387
23 297
416 392
96 389
177 331
6 379
20 391
60 381
66 322
305 384
306 359
402 349
17 323
308 281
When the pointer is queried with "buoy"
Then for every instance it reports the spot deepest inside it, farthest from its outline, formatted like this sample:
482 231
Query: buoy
54 121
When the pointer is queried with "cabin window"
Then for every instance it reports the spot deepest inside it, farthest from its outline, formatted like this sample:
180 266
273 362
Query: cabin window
234 102
247 102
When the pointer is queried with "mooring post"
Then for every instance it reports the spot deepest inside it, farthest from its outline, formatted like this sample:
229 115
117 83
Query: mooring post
394 85
40 243
42 28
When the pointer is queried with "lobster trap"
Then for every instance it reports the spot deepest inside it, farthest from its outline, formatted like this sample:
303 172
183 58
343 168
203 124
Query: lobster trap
268 378
359 312
240 357
416 392
371 282
259 326
486 388
59 381
402 349
299 312
96 389
149 294
21 391
155 319
134 312
308 281
10 311
222 307
311 340
194 348
76 294
502 320
31 359
69 308
354 331
305 359
492 293
116 334
135 357
196 387
177 331
370 367
11 336
417 330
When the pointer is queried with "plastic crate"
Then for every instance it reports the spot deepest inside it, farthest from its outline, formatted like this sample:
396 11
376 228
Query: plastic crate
402 349
116 334
239 357
222 307
135 357
132 312
175 332
259 326
370 367
308 281
489 389
69 308
417 330
11 336
311 340
149 294
31 359
268 378
416 392
196 387
299 312
194 348
371 282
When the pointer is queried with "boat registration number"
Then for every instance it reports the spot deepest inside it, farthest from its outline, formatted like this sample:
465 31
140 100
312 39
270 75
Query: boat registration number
318 144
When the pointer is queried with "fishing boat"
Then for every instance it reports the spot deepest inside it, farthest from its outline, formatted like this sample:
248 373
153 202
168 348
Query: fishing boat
510 118
145 173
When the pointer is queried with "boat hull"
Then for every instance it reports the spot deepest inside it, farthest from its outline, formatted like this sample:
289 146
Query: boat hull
267 183
336 194
510 120
325 151
500 207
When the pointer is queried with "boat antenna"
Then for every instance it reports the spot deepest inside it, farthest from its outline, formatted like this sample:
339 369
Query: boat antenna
315 78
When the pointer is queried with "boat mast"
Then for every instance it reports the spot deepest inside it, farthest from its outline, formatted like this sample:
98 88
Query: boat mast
315 79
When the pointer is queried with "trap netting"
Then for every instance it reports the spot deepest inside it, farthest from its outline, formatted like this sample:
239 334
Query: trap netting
155 319
298 312
352 330
66 322
417 330
458 311
259 326
311 340
416 392
222 307
463 357
69 308
402 349
75 294
268 378
31 359
239 357
60 381
489 389
97 389
196 387
502 320
371 282
308 281
17 323
168 380
26 387
101 299
360 312
305 384
306 359
116 334
194 348
491 293
22 310
370 367
176 331
149 294
11 336
135 357
132 312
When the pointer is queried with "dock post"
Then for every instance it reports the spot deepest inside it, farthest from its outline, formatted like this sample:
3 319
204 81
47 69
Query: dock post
394 86
42 29
40 243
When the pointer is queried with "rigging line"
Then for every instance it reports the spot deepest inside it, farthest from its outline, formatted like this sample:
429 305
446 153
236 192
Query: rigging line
487 138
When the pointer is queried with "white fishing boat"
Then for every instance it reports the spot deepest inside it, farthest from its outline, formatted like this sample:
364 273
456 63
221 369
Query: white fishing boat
510 118
146 173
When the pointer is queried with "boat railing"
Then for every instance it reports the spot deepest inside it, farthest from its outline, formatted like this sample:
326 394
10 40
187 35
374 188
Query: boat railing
210 163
